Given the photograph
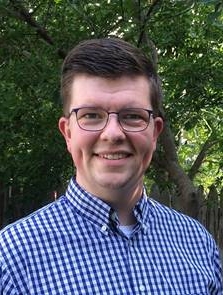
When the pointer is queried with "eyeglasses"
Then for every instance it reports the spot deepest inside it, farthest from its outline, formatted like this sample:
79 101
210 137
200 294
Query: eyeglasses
96 119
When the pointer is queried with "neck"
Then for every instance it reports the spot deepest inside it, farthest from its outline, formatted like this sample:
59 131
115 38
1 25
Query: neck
126 218
122 200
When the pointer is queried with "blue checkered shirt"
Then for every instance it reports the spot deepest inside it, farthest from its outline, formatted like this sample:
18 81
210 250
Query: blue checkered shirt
75 246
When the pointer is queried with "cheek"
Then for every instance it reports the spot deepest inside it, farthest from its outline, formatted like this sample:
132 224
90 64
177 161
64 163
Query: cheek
81 148
146 150
147 156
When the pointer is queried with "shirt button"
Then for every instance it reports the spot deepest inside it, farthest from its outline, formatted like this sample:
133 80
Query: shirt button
142 288
104 228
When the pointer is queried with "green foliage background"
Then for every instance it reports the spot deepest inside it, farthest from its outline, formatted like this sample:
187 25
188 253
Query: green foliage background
36 35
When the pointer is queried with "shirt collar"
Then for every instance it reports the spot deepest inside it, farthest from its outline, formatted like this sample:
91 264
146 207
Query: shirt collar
100 213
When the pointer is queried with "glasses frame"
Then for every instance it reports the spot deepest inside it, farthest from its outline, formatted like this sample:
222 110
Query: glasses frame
75 110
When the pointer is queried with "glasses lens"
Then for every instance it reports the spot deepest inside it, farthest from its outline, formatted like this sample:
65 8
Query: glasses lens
134 119
92 119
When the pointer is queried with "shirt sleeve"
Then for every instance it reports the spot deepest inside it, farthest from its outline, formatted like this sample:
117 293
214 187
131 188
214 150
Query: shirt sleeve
6 284
218 272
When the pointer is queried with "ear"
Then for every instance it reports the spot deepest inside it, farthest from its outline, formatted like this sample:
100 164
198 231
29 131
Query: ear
64 128
158 127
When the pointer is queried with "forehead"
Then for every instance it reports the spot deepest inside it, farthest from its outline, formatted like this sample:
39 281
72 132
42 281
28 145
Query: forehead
134 91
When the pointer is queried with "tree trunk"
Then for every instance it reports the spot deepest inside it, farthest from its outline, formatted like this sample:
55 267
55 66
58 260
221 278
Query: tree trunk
186 198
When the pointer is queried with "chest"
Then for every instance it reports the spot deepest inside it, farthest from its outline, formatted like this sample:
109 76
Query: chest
112 264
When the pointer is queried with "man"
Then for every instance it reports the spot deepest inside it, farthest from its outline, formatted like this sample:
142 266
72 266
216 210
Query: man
105 236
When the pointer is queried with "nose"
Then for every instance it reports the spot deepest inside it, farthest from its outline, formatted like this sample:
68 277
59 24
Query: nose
113 131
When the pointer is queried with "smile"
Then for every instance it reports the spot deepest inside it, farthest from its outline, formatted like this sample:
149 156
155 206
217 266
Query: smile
113 156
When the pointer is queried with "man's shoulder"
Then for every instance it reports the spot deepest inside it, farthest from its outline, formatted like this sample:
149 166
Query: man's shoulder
32 224
165 211
177 221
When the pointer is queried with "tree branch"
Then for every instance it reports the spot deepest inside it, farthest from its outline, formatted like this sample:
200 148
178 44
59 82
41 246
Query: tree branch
201 156
154 3
24 15
21 13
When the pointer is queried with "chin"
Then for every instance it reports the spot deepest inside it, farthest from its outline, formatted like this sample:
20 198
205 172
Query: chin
113 184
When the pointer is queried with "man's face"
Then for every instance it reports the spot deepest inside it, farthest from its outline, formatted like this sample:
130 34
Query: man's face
110 159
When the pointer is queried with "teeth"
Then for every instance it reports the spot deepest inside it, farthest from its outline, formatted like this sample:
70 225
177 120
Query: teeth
113 156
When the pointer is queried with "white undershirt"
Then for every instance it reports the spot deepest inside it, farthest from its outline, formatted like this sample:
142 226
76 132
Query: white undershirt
127 229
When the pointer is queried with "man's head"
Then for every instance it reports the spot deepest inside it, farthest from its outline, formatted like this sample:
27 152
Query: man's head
111 99
109 58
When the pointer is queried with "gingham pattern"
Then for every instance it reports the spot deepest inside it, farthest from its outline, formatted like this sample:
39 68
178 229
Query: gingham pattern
74 246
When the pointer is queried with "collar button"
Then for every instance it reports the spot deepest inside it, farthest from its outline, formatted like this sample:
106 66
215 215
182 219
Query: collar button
104 228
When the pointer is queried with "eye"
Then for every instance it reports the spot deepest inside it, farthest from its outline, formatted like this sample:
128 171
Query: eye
133 115
90 114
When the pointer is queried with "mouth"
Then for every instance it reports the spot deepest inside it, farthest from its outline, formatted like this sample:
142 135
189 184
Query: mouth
113 156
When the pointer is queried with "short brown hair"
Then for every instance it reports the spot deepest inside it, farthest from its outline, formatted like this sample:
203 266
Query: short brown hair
109 58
